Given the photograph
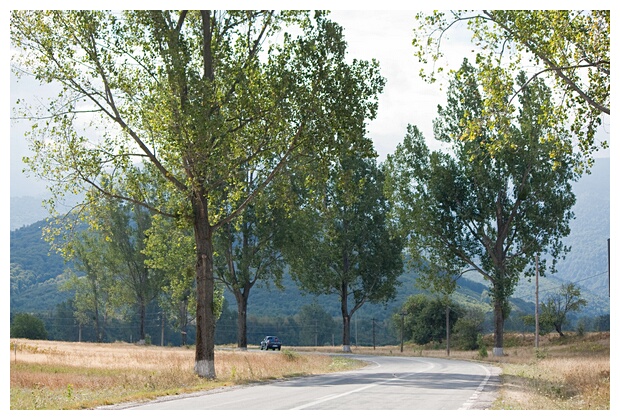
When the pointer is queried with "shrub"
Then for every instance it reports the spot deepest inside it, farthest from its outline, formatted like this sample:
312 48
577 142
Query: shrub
468 329
482 347
28 326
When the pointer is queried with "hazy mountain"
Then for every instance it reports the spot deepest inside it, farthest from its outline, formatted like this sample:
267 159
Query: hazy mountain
590 231
26 210
586 264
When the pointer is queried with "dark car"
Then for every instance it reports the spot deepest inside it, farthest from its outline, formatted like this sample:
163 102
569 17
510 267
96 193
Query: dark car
270 342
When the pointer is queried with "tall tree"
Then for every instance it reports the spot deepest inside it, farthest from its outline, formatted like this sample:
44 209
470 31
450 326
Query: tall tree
28 326
182 100
499 196
316 326
92 281
345 246
248 252
424 320
572 47
170 249
126 226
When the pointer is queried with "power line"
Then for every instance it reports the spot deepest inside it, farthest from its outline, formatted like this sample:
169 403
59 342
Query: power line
557 287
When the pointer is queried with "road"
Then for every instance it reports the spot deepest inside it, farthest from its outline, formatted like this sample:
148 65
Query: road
387 383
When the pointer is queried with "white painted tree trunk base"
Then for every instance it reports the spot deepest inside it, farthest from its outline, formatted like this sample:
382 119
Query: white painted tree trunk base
498 351
346 349
205 368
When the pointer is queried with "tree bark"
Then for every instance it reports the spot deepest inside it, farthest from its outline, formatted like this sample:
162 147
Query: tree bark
346 322
498 312
242 317
205 320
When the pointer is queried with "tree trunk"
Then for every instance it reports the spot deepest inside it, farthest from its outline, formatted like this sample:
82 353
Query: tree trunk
346 323
205 320
242 320
142 319
346 333
498 313
96 310
183 318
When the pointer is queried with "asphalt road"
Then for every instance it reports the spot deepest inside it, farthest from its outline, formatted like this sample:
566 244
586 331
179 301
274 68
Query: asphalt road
388 383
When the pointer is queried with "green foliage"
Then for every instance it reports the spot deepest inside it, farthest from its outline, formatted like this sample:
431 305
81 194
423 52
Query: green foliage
568 47
310 318
581 328
558 305
541 353
468 328
247 250
119 232
482 347
289 355
344 244
26 325
501 196
425 319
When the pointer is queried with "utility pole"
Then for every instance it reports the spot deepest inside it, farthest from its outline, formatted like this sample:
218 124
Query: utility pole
402 329
373 334
536 314
448 330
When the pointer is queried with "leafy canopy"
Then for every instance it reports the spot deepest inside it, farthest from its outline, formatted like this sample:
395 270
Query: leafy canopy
498 196
570 48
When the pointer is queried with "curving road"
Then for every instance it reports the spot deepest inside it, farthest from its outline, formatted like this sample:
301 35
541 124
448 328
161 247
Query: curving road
388 383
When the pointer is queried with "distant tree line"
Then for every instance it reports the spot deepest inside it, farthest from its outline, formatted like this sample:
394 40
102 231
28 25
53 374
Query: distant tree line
312 326
421 320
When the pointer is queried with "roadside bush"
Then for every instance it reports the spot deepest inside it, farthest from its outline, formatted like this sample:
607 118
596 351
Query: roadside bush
468 328
28 326
425 319
482 347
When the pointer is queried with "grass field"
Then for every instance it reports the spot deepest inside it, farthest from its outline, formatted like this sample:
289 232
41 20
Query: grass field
568 374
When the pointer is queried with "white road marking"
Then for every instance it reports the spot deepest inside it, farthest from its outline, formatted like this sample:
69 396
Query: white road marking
344 394
470 402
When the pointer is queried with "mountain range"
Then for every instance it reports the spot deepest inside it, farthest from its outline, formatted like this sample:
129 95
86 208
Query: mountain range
586 265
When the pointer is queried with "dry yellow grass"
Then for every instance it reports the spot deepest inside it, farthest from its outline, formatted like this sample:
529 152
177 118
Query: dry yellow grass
575 384
59 375
568 374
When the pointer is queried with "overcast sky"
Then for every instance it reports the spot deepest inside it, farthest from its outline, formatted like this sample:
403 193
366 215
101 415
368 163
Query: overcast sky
384 35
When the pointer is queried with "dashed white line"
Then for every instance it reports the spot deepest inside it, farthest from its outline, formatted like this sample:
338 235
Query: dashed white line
344 394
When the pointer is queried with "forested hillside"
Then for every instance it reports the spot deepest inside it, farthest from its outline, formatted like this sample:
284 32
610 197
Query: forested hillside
35 271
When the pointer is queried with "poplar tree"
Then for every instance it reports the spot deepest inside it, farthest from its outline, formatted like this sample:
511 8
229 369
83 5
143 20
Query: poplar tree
497 196
344 244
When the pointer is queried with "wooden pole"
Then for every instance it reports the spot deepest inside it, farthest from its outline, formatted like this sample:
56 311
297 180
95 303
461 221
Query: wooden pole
536 316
